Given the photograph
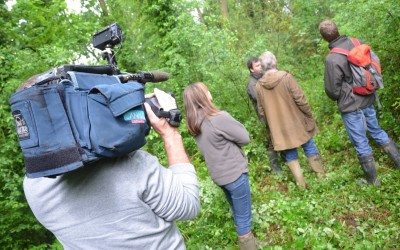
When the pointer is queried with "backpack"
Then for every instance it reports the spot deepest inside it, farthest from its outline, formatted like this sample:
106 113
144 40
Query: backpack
365 67
71 119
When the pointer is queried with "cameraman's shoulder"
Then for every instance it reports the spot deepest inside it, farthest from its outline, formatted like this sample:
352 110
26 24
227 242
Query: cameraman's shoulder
141 157
141 162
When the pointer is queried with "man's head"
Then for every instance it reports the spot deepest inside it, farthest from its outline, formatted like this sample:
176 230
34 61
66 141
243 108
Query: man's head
254 66
328 30
268 61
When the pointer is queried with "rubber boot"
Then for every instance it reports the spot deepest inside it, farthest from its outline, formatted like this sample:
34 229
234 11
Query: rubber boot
392 150
273 161
294 166
315 163
248 242
368 166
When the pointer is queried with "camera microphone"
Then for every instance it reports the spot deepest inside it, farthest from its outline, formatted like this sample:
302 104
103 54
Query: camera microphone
143 77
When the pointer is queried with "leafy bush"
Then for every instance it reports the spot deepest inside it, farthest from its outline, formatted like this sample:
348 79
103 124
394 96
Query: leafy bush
332 213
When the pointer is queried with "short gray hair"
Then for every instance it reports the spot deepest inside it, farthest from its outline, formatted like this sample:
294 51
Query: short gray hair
268 60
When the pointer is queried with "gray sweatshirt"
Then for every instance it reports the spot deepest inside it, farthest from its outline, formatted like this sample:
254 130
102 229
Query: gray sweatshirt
124 203
220 141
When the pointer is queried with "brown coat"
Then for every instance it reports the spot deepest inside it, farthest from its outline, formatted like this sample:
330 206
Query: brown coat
281 100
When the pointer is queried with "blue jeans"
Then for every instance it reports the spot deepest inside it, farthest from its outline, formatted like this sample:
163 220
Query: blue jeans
309 148
239 197
357 124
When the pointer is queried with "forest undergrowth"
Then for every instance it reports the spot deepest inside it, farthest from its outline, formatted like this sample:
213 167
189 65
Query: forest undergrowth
332 213
209 41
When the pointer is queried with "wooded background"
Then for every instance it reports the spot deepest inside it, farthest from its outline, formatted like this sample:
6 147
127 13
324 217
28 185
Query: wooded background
210 41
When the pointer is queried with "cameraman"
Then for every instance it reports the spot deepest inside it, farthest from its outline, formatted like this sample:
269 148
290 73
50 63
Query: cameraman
129 202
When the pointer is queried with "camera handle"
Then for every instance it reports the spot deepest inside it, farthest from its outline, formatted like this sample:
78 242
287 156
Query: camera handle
173 116
108 54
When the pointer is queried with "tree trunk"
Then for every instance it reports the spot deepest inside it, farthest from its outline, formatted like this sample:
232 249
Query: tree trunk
200 15
224 10
103 7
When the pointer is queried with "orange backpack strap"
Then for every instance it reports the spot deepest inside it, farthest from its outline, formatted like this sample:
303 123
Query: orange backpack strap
345 52
340 51
355 41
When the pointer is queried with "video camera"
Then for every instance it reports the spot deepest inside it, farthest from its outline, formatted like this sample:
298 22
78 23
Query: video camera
74 115
112 35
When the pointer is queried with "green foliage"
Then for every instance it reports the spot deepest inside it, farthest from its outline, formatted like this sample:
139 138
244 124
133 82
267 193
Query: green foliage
191 41
36 35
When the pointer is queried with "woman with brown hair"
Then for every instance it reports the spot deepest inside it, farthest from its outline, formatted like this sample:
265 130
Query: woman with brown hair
219 137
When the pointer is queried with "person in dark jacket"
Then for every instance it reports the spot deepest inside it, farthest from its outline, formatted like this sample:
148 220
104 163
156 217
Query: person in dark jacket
256 72
357 111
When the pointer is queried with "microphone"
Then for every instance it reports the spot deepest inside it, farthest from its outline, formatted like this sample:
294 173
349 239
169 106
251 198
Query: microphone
143 77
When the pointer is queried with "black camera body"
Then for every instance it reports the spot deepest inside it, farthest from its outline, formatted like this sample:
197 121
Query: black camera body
109 36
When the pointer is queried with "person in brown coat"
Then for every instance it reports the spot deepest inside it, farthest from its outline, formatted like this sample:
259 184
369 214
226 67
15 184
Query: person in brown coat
284 105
